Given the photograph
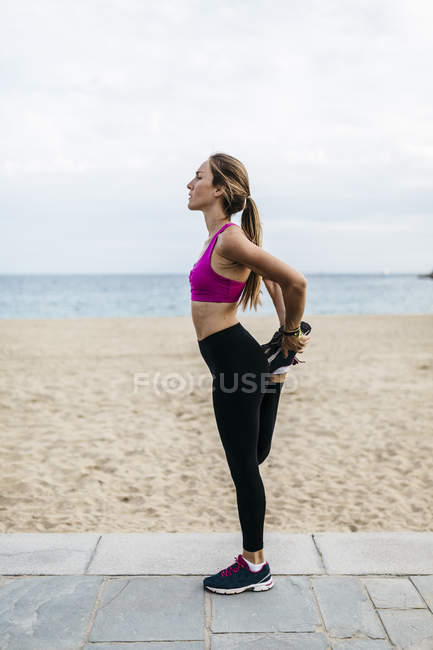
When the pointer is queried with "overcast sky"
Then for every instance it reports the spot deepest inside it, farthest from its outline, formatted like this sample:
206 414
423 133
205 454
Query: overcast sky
107 108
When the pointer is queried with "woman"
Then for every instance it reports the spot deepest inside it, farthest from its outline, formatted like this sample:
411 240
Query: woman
245 395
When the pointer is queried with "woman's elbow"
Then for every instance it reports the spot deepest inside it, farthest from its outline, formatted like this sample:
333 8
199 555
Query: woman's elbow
301 286
299 283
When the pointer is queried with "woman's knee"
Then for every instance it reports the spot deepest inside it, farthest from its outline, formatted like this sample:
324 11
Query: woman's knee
262 454
244 471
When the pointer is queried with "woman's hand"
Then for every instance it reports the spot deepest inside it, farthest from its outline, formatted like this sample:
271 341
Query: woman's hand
294 343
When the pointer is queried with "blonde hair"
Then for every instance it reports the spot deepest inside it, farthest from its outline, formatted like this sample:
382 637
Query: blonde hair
232 176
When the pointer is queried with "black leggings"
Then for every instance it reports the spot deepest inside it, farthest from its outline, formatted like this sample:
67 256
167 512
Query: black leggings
245 403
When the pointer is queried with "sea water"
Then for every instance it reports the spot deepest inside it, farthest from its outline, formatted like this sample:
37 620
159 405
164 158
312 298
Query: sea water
111 295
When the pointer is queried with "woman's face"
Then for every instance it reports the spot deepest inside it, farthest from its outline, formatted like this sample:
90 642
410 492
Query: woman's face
202 192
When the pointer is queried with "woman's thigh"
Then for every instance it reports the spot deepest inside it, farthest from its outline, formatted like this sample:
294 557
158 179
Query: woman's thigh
237 416
240 369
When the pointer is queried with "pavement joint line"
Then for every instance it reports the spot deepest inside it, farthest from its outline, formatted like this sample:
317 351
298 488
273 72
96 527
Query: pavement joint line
430 609
113 576
359 637
316 602
117 594
384 627
93 613
401 609
92 554
319 552
207 619
379 618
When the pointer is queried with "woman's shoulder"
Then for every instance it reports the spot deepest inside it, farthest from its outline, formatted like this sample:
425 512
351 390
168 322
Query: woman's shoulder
232 238
233 244
236 232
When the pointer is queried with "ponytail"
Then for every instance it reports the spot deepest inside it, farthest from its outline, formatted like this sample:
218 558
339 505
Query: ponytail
252 227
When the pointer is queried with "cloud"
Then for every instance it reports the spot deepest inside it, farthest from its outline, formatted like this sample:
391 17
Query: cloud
315 226
110 105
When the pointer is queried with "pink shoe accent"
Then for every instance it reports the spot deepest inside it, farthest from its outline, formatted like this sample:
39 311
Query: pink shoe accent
234 568
240 563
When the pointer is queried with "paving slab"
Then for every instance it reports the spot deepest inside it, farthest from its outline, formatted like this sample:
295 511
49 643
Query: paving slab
293 554
197 553
345 608
46 613
427 644
46 553
299 641
288 607
150 609
376 553
393 592
424 584
408 627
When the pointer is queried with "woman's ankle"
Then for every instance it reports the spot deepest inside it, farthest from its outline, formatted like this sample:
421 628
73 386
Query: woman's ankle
254 557
278 378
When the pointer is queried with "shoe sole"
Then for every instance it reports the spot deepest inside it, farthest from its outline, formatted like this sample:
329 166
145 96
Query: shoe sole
257 587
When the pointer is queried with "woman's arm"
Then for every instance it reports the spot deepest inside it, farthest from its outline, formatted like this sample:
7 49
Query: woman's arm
292 287
276 294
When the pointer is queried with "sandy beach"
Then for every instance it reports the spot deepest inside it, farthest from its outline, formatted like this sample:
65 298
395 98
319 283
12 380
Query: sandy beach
107 425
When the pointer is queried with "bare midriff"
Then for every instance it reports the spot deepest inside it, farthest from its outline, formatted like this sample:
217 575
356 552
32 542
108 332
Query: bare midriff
211 317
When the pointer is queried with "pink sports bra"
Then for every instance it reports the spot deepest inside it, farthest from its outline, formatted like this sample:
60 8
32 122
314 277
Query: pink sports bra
209 286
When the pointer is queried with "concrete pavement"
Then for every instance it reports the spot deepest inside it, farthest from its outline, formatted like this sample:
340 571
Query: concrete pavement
111 591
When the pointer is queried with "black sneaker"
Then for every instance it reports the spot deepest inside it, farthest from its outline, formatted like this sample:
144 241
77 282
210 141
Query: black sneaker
238 577
274 354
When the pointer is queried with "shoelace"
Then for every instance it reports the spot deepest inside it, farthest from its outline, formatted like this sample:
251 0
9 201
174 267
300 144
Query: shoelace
233 568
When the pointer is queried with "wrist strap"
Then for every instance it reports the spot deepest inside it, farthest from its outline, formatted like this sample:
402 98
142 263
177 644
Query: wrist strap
296 332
